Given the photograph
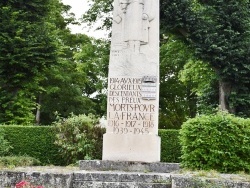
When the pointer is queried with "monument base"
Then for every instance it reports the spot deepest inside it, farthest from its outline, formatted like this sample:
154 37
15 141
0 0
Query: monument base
141 148
128 166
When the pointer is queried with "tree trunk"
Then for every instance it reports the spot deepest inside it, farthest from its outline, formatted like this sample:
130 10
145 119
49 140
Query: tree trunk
225 89
38 111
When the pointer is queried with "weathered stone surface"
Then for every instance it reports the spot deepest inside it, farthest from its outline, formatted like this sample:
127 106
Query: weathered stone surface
50 180
120 185
182 181
86 179
98 165
133 83
54 178
121 177
10 178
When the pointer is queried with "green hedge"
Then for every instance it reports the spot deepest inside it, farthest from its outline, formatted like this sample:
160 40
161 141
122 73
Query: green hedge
219 141
34 141
38 142
170 145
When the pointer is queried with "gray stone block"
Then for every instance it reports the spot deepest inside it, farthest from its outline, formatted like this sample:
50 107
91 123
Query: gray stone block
98 165
9 178
121 180
120 185
121 177
199 182
48 180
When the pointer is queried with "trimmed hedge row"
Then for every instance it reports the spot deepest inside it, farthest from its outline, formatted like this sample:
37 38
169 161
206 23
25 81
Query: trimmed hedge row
34 141
38 142
170 145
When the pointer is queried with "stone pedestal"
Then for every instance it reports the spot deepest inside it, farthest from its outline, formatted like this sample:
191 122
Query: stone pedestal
131 147
133 83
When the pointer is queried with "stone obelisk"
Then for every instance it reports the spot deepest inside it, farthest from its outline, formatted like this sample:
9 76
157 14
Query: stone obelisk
133 83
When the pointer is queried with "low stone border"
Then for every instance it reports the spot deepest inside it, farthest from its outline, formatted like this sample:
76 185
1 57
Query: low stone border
59 177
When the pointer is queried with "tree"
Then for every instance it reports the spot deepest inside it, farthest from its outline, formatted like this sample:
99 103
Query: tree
92 61
73 84
26 50
177 101
219 33
100 10
42 70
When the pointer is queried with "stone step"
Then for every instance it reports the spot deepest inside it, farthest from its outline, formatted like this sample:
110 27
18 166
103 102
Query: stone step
113 179
106 176
86 184
128 166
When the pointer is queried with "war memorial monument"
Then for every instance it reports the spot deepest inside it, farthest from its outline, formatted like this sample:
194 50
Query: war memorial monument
133 83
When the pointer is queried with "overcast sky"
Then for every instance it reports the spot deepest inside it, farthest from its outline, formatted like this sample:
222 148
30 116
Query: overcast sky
79 7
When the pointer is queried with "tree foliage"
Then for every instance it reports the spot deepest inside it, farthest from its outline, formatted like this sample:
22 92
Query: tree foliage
92 61
100 10
76 83
219 33
26 50
45 69
177 101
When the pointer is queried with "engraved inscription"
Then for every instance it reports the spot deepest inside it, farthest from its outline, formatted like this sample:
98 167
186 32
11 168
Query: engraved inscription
116 53
127 112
